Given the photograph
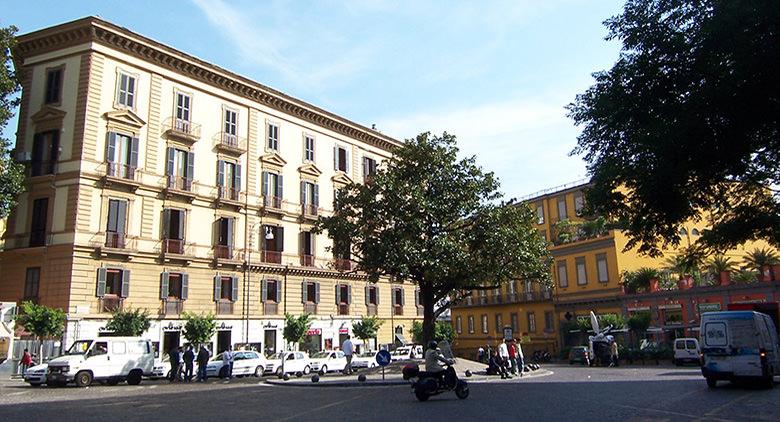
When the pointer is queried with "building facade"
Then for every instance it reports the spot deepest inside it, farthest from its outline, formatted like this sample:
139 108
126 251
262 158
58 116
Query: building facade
163 182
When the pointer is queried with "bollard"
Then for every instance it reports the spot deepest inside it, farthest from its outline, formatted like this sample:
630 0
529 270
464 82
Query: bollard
315 378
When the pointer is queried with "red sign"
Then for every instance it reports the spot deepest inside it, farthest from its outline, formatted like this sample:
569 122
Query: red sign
343 330
314 332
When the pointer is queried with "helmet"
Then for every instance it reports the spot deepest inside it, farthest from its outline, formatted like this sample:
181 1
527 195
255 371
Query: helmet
432 344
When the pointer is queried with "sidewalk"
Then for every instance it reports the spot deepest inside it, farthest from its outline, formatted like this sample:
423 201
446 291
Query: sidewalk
393 376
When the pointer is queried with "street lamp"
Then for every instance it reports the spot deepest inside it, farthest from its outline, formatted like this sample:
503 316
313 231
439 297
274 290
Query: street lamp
247 279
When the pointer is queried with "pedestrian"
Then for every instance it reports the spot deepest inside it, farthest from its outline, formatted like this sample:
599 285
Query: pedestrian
175 358
503 354
189 358
481 355
26 361
203 361
511 348
227 360
613 353
519 356
347 348
495 366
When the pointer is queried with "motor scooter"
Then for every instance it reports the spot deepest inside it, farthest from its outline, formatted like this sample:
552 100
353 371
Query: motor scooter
427 384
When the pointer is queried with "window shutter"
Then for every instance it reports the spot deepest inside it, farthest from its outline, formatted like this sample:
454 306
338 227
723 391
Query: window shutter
338 294
403 297
134 153
417 297
237 178
234 285
171 153
393 296
264 290
279 287
185 286
110 148
101 282
217 287
316 195
335 158
280 186
304 292
317 292
229 234
349 295
348 165
368 294
55 149
266 188
181 224
125 283
121 216
164 277
303 193
302 243
365 166
166 223
280 239
377 294
112 215
220 173
190 166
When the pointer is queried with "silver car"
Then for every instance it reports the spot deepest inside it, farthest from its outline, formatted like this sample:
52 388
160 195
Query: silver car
36 375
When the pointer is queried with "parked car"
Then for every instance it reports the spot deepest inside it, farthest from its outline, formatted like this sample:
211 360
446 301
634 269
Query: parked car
244 363
328 361
109 359
414 351
36 375
365 360
294 362
579 354
686 350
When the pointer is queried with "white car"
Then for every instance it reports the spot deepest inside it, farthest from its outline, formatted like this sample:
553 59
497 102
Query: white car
407 352
244 363
365 360
36 375
294 362
328 361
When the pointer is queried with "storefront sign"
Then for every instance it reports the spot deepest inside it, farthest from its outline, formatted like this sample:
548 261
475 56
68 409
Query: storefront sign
343 330
670 306
172 327
224 326
638 308
314 332
750 301
269 325
708 307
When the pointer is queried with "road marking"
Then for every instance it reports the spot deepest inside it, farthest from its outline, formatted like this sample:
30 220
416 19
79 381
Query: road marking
644 409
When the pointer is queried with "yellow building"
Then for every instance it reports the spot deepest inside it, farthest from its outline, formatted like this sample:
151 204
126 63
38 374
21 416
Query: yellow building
160 181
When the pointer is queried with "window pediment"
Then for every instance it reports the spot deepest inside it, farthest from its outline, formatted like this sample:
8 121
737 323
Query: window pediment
341 178
48 114
272 159
124 119
310 170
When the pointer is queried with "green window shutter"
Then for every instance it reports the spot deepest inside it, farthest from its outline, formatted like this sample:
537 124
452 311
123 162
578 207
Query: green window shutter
234 284
264 290
164 279
349 295
317 292
217 287
185 286
304 292
101 282
125 283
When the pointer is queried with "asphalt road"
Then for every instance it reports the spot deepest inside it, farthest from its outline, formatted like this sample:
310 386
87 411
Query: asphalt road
570 393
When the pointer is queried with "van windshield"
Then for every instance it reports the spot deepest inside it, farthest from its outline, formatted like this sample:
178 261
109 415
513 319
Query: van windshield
80 347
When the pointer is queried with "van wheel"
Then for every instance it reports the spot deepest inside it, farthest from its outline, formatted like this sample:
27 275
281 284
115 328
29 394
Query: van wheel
134 378
259 371
712 382
306 370
83 379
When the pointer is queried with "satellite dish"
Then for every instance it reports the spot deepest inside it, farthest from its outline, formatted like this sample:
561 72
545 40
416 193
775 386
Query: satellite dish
594 322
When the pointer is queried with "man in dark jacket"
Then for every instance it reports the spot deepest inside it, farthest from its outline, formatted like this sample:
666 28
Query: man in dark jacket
189 358
175 357
203 360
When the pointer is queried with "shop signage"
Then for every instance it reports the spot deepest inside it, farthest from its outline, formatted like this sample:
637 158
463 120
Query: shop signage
172 327
638 308
750 301
269 325
314 332
708 307
343 330
670 306
224 326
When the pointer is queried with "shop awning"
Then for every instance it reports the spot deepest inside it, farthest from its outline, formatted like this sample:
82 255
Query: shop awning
400 338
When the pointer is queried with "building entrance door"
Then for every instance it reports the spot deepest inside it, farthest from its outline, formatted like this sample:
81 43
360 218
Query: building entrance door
223 340
270 341
170 339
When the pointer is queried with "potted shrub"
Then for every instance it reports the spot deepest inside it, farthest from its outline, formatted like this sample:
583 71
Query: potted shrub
685 265
643 279
762 261
721 266
745 277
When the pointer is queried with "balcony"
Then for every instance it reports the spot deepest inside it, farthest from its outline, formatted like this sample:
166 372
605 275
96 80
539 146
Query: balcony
310 308
497 299
309 210
343 309
272 202
272 257
178 185
37 238
342 264
270 308
122 175
115 240
398 310
371 310
110 303
173 246
223 252
182 130
307 260
115 244
228 195
224 307
173 306
230 144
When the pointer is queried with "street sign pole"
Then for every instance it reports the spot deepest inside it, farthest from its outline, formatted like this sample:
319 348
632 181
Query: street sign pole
383 359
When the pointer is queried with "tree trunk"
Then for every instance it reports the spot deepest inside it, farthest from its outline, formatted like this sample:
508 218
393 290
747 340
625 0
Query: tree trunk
429 321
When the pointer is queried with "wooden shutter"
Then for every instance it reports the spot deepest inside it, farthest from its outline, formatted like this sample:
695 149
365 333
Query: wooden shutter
134 153
170 163
304 292
113 204
264 290
217 287
279 239
266 188
377 294
190 166
121 216
365 166
220 173
348 164
185 286
234 285
317 292
403 297
181 224
335 158
101 282
237 178
349 294
280 186
164 279
416 297
125 283
279 287
166 223
55 150
368 294
338 294
229 231
110 148
393 296
303 193
316 195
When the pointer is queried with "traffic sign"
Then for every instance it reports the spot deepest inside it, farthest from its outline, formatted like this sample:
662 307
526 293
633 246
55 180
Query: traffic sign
383 358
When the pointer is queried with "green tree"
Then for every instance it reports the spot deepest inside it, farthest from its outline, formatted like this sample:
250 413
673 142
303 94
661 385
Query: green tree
436 221
757 259
443 331
691 106
295 328
367 328
131 322
11 173
42 322
638 323
199 329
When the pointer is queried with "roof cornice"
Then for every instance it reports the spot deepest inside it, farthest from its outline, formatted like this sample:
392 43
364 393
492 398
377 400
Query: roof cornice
96 30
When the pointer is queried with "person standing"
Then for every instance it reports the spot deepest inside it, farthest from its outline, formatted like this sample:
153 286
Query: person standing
26 361
227 361
203 361
512 349
189 358
613 353
503 354
519 356
481 354
175 357
347 348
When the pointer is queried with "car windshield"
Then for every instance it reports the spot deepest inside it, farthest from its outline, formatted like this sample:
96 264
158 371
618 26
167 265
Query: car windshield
80 347
320 355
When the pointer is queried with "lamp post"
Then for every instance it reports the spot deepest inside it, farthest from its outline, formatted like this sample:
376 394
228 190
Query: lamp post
247 279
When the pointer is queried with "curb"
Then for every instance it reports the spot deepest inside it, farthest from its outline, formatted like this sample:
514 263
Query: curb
337 383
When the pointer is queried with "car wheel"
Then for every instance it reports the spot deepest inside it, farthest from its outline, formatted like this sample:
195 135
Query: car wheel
83 379
259 371
323 370
306 370
134 378
712 382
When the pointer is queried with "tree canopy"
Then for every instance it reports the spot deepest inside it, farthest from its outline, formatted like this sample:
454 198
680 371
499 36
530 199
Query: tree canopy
11 173
686 122
295 327
367 328
429 218
42 322
199 329
130 322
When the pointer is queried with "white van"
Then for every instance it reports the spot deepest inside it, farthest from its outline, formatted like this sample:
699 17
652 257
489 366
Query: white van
110 359
686 350
739 345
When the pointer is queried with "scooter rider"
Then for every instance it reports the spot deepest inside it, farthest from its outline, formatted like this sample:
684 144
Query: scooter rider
434 359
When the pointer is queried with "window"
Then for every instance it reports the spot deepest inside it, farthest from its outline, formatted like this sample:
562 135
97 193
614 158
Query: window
341 159
515 323
563 278
683 232
531 322
113 282
173 231
118 347
582 274
548 321
601 267
398 297
369 168
224 237
174 286
308 148
471 324
513 287
53 85
484 323
38 227
579 203
225 288
228 179
115 227
272 243
230 125
272 189
273 137
310 197
271 291
499 322
458 325
180 168
307 248
343 294
126 85
562 214
183 108
372 295
539 213
311 292
122 155
46 148
32 283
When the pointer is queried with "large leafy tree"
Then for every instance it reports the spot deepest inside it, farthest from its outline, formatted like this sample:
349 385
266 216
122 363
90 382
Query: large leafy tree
42 322
437 221
687 121
295 328
129 322
11 173
367 328
199 329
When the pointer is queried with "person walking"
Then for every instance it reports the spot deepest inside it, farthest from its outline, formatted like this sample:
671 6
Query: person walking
227 360
175 358
189 359
613 349
203 361
26 361
519 356
512 349
503 354
347 348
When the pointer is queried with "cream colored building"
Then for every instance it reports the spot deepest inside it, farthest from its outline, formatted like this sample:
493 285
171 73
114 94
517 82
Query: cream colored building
163 182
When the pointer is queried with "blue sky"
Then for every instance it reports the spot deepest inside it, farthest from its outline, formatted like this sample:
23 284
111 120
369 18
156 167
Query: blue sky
497 74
